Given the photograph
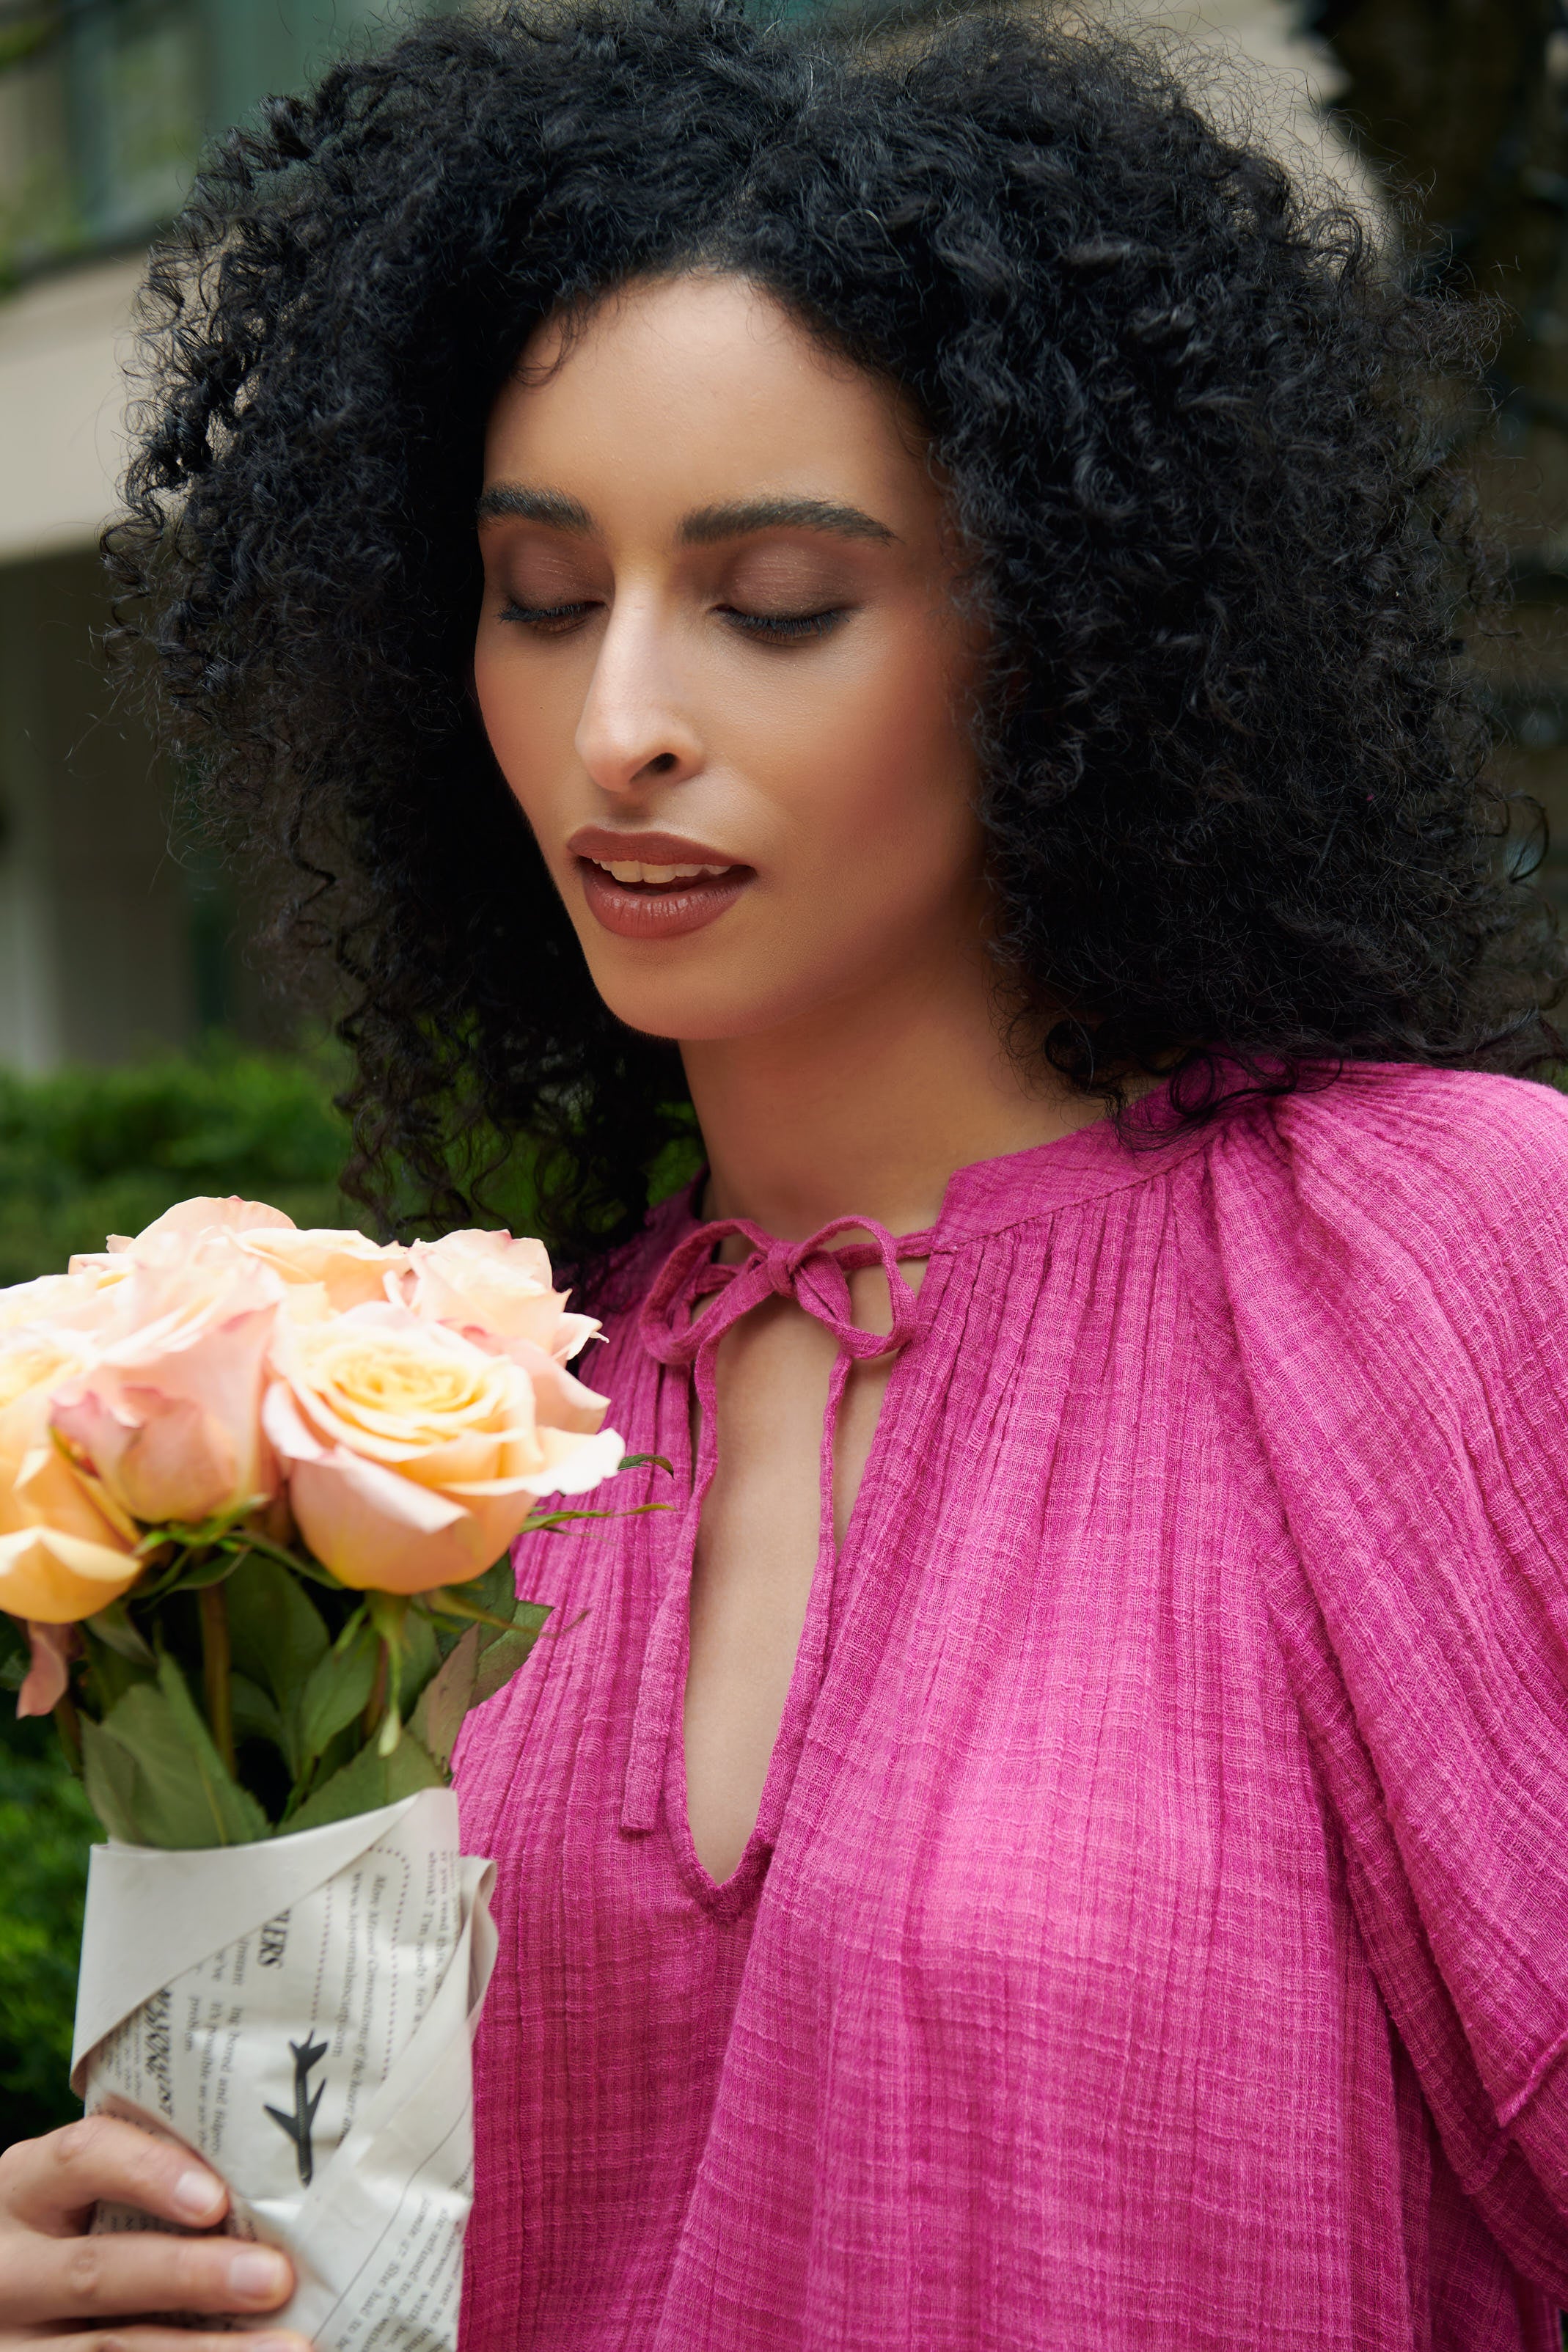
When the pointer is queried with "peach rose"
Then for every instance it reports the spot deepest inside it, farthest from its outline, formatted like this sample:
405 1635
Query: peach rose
498 1293
496 1290
82 1300
414 1455
328 1269
325 1269
65 1551
167 1415
203 1213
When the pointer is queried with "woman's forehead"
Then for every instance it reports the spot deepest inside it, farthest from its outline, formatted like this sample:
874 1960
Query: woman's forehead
702 390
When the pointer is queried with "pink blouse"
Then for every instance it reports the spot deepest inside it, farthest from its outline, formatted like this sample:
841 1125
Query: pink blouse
1156 1928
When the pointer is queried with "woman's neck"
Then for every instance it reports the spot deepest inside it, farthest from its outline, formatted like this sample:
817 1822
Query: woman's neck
866 1108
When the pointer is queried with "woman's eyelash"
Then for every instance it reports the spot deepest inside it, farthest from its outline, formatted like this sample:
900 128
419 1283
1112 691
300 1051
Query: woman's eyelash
545 616
552 620
785 626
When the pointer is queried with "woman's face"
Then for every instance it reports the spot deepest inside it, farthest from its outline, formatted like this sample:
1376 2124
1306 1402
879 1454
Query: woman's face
719 665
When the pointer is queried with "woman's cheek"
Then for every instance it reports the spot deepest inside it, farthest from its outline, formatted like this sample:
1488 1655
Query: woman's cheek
881 765
527 726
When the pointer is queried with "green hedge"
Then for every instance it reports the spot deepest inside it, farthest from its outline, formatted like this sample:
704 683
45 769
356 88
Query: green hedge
89 1152
84 1153
45 1831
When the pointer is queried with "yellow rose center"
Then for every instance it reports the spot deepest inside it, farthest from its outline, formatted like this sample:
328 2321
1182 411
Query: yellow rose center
392 1389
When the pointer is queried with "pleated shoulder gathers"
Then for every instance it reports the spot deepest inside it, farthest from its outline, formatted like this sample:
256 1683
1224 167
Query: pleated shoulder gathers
1156 1930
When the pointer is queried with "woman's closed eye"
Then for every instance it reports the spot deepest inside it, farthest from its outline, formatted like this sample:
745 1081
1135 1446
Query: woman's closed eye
779 628
785 628
550 620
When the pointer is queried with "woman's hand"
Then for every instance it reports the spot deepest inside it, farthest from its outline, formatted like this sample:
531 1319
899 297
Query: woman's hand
81 2294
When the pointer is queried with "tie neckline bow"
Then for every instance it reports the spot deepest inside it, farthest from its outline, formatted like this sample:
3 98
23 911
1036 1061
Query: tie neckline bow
811 1273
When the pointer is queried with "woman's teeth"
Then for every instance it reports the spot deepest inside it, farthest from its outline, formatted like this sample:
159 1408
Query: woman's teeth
630 870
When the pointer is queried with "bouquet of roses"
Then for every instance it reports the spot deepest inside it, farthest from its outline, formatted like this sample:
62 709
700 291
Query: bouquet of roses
257 1491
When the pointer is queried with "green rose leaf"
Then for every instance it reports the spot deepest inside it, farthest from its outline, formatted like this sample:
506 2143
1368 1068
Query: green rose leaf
114 1625
368 1781
277 1638
113 1667
338 1689
255 1711
447 1698
110 1777
420 1658
153 1777
504 1653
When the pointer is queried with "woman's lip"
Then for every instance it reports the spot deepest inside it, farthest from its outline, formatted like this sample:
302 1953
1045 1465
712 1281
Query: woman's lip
647 848
666 911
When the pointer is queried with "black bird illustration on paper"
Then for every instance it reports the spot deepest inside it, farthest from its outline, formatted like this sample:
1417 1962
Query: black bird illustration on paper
298 2126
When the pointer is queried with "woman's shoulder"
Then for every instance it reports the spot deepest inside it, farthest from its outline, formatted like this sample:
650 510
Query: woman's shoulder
1455 1124
1457 1173
1386 1258
1396 1270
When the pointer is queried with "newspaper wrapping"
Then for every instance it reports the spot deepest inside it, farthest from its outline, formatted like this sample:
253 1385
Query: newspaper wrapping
300 2012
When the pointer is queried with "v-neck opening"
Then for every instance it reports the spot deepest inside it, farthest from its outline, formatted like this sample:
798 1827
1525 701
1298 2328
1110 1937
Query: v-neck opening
657 1786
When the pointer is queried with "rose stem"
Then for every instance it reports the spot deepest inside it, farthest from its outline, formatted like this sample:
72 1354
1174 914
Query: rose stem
68 1723
216 1670
376 1706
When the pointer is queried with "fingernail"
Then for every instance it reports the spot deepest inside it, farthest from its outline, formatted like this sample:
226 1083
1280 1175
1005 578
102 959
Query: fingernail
198 2194
257 2275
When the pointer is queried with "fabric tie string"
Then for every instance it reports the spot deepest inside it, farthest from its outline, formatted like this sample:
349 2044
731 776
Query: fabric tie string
678 1329
816 1276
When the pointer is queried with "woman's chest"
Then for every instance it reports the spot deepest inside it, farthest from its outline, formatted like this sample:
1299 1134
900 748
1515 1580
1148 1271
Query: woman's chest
1040 1723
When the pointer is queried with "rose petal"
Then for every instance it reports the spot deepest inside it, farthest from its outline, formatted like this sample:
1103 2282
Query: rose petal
491 1283
312 1361
48 1678
161 1457
379 1532
59 1579
218 1365
569 1466
50 1491
206 1212
32 1364
559 1396
288 1431
351 1268
575 1464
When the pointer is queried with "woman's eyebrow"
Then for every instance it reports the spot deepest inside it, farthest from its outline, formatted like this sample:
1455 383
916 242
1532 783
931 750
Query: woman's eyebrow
743 515
519 501
515 501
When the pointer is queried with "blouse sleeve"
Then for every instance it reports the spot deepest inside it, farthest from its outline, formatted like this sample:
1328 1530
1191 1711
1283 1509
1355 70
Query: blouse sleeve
1396 1266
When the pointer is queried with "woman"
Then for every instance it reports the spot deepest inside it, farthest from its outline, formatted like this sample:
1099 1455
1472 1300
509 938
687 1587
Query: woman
1058 1834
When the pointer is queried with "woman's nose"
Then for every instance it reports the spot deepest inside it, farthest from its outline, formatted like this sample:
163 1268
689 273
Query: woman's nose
637 728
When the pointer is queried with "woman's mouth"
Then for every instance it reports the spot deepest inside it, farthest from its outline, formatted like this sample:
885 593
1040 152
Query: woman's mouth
644 899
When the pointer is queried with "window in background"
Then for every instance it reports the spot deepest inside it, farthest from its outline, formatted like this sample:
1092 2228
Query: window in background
105 104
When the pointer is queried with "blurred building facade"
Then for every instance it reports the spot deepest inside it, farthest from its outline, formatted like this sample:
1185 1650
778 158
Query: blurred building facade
113 934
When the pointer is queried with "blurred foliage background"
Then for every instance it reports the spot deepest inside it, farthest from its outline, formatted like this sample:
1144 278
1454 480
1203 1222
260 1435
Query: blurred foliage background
1460 107
1458 110
86 1153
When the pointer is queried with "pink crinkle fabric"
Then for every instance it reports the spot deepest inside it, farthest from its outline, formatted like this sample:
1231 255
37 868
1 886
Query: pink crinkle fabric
1156 1932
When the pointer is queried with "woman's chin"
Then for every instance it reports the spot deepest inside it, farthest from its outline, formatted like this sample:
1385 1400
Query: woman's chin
703 1009
683 1020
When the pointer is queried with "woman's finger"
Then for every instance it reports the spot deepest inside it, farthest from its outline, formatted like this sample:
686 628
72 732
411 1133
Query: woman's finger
122 2273
47 2184
134 2338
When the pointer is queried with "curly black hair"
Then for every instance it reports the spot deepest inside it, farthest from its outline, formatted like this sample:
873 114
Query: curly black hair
1234 793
